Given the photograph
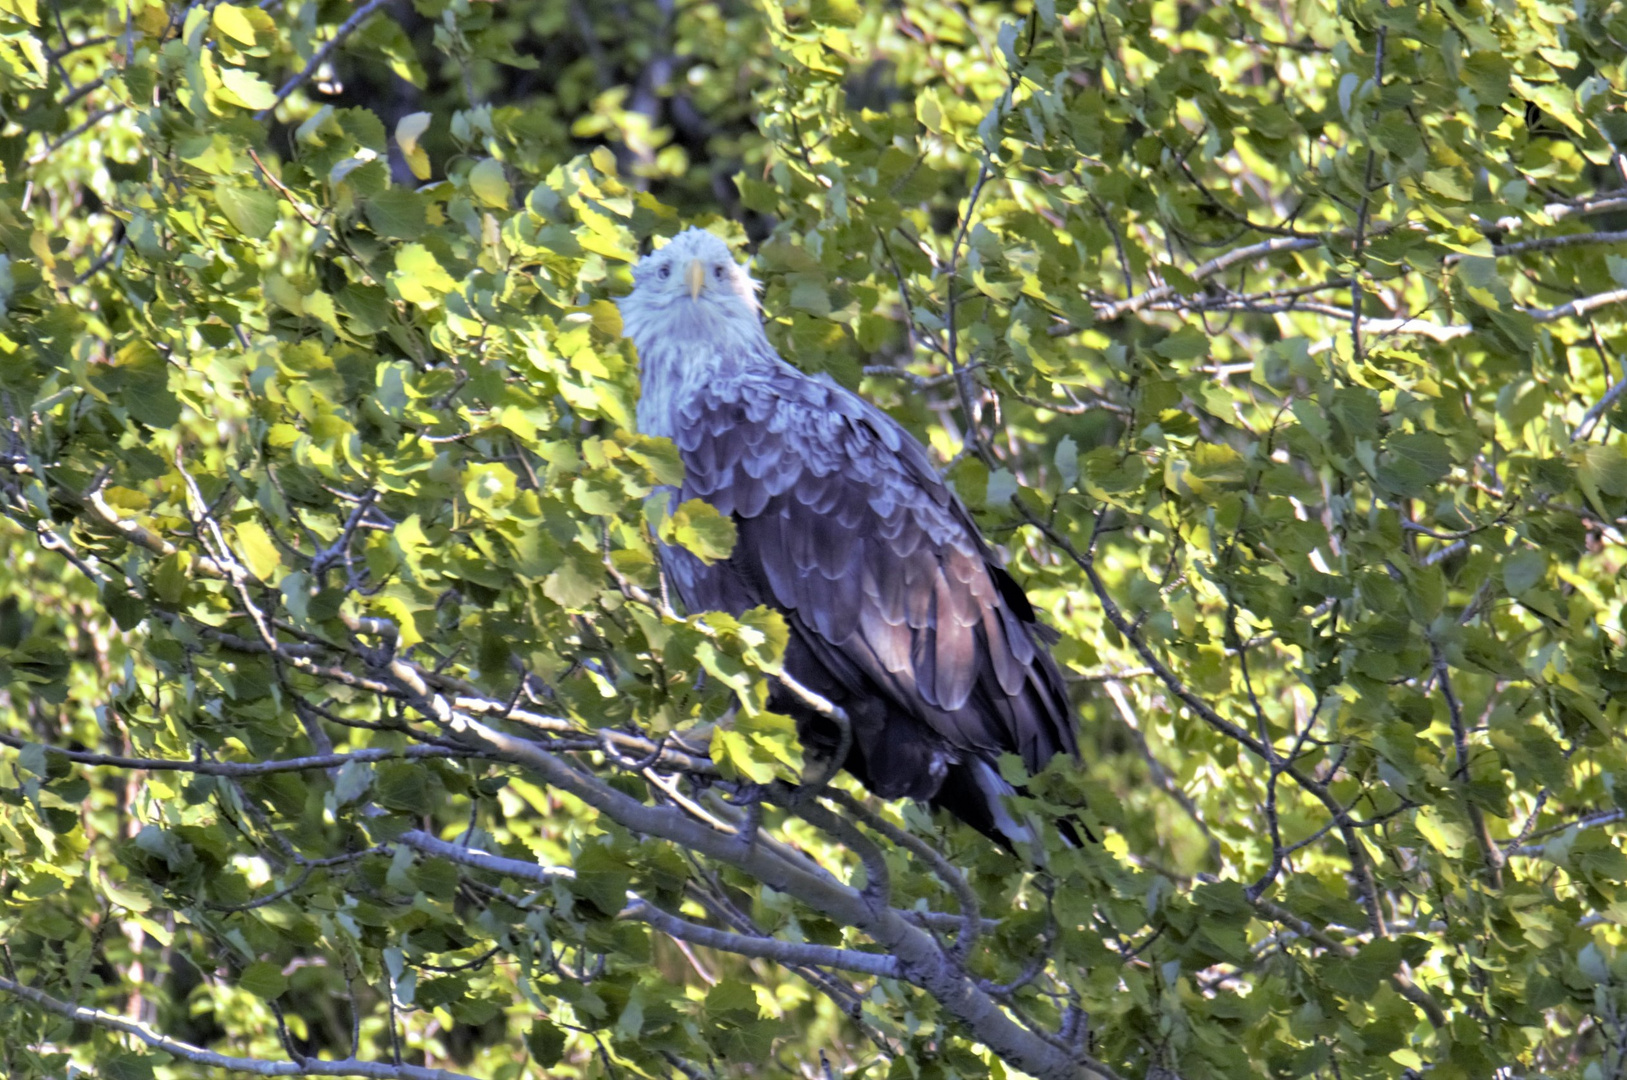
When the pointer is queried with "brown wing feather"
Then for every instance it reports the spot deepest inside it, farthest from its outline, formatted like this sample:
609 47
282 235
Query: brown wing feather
898 610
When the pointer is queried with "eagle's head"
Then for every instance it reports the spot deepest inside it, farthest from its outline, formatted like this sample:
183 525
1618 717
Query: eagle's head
692 287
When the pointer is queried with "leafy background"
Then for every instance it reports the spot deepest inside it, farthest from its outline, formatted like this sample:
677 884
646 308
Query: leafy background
1280 349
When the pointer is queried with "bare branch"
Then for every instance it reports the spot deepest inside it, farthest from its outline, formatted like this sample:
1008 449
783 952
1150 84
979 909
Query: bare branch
90 121
79 1014
1589 821
1599 408
919 958
1489 853
641 910
1366 199
243 768
346 28
1553 243
1276 245
1578 307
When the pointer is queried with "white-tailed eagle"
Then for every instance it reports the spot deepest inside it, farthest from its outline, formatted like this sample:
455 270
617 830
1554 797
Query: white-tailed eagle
899 612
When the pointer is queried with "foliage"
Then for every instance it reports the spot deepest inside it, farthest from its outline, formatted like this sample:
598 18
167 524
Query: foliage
1281 351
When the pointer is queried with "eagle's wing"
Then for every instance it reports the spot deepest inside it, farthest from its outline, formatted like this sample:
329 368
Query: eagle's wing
845 527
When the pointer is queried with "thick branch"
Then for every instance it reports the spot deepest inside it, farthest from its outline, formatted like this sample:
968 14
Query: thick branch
919 959
767 948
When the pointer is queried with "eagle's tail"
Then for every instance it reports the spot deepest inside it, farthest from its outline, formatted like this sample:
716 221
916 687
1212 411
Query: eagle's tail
978 795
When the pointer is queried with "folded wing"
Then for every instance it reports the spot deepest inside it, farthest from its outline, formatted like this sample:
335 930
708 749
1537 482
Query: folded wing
898 609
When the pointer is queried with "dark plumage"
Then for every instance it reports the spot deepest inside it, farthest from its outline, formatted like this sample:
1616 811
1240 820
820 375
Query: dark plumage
898 610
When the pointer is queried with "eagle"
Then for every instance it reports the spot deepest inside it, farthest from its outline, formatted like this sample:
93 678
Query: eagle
899 612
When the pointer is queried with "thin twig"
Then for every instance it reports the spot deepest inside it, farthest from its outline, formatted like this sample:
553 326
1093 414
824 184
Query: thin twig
1489 852
277 185
79 1014
1366 198
321 55
242 768
91 121
1600 407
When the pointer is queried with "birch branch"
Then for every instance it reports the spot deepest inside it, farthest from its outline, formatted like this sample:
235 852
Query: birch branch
767 948
919 958
240 768
381 1070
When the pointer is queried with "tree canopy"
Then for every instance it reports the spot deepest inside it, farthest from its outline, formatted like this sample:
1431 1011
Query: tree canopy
349 728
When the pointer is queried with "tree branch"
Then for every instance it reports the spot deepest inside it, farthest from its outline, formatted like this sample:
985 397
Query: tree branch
346 28
919 959
1489 852
1361 213
766 948
1552 243
79 1014
242 768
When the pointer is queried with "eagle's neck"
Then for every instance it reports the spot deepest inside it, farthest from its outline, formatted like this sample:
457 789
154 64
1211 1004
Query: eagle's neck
675 367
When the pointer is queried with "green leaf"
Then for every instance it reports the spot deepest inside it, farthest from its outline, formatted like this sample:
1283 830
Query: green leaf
1604 468
1425 450
260 554
245 88
602 877
490 184
736 1031
402 785
397 213
251 211
264 980
128 1067
839 12
1188 343
737 755
573 586
697 527
418 277
170 577
1446 836
1360 975
1067 462
489 487
1524 570
546 1042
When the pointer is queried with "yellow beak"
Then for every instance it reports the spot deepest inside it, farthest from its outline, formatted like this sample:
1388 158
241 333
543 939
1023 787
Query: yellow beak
695 276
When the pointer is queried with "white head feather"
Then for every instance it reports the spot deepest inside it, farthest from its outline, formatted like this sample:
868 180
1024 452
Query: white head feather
693 315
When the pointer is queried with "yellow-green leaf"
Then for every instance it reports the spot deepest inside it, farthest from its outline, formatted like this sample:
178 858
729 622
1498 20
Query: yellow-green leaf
699 528
260 555
408 130
234 23
418 277
489 183
245 88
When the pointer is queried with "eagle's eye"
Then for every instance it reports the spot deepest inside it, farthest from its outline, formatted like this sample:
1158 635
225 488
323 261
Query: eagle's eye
717 271
664 272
